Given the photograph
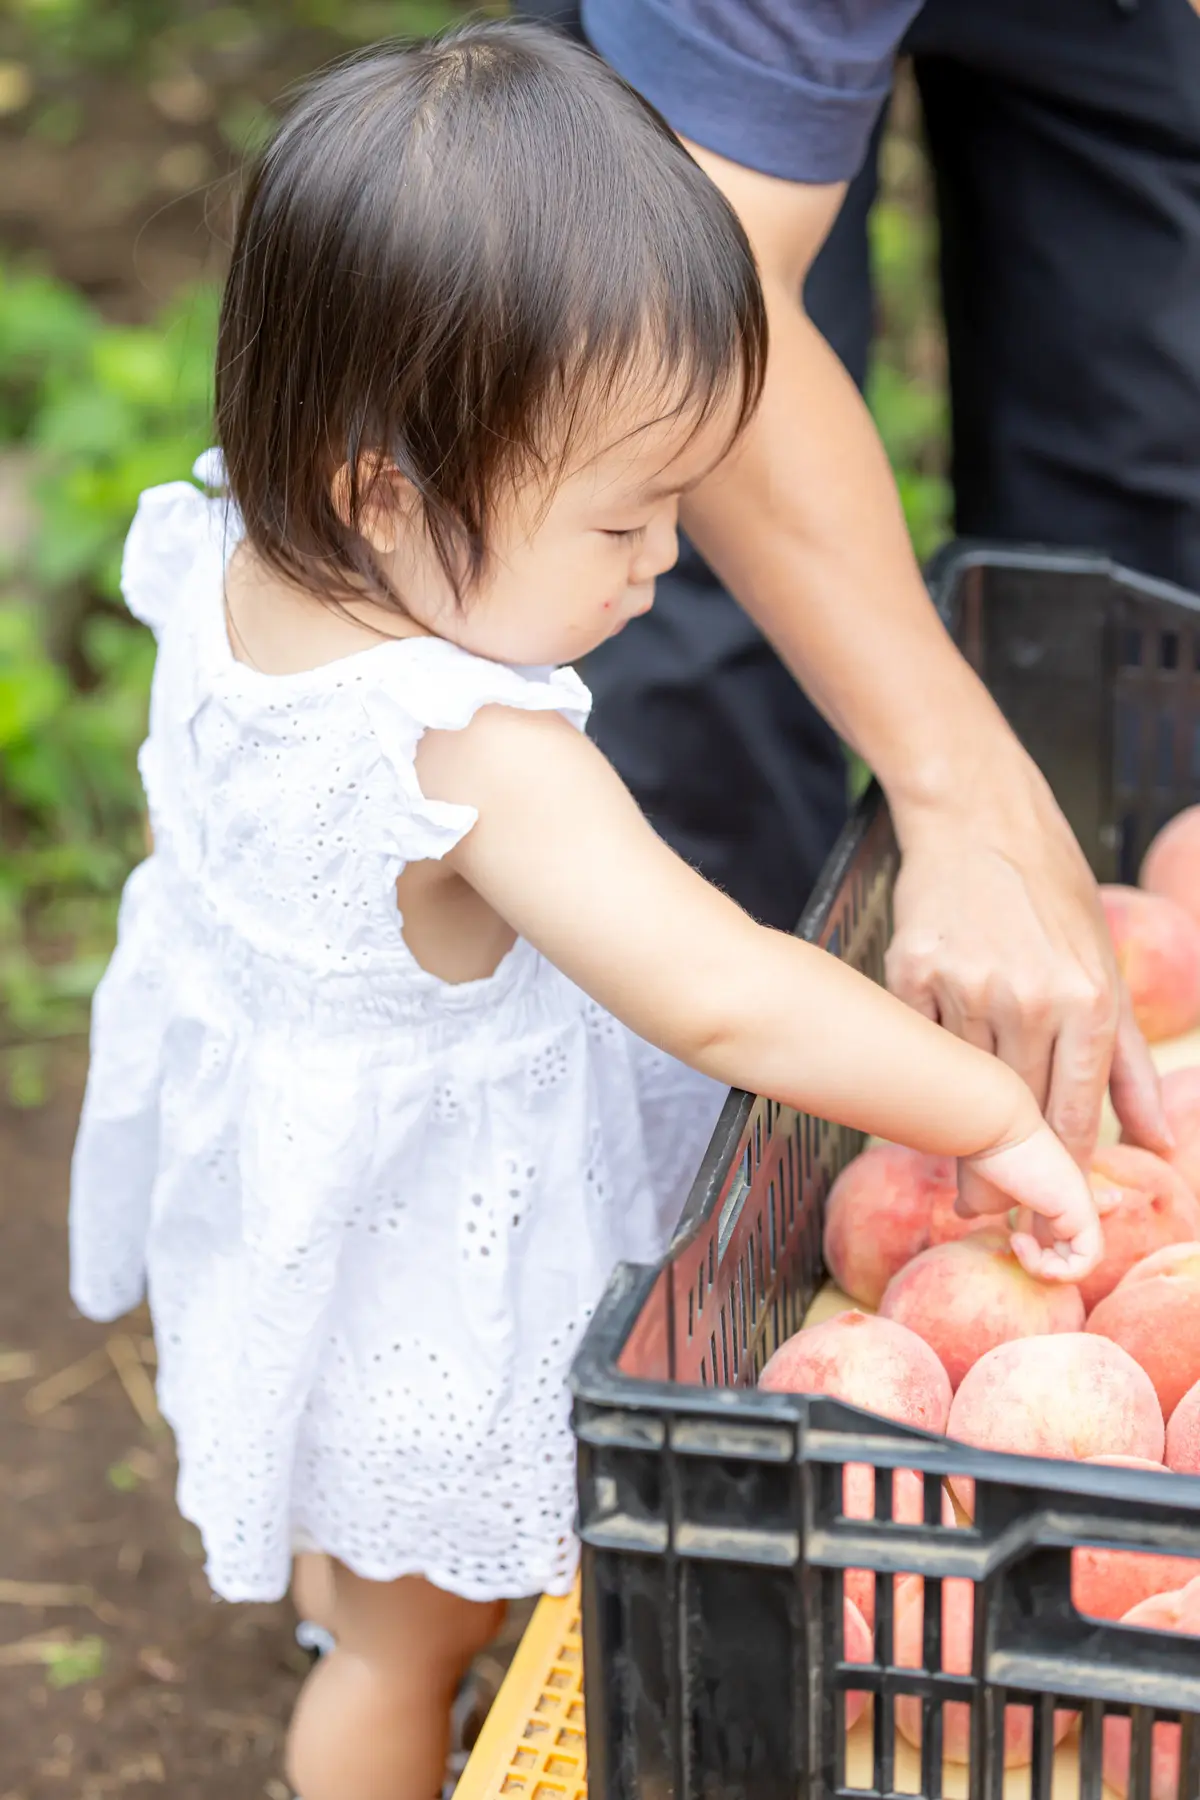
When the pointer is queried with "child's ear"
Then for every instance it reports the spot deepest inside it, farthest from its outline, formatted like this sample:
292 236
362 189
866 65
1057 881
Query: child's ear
384 506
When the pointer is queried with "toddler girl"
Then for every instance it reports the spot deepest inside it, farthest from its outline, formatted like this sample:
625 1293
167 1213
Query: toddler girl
414 1027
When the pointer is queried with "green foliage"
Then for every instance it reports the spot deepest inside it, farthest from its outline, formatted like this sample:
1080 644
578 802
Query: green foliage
63 37
70 1664
90 413
906 389
906 385
131 411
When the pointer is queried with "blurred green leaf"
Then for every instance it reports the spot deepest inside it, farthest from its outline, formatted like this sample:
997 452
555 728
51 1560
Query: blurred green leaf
26 1072
57 122
246 126
101 412
67 1665
135 366
858 776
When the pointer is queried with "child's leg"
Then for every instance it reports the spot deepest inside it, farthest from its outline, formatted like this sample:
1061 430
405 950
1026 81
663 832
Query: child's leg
312 1588
372 1721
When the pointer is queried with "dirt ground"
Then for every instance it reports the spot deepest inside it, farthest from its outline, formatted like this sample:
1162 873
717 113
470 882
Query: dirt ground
148 1682
119 1674
136 201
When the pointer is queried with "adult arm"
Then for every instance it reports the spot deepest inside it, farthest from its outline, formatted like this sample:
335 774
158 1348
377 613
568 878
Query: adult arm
999 932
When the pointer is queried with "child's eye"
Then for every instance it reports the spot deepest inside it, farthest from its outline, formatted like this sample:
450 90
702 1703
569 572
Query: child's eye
629 535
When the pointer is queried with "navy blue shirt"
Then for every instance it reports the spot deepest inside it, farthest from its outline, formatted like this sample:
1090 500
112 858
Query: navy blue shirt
789 87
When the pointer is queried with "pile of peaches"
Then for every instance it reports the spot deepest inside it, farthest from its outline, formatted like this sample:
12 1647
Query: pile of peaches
950 1333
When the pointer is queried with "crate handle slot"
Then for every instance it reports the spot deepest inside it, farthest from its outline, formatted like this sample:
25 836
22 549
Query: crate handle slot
731 1211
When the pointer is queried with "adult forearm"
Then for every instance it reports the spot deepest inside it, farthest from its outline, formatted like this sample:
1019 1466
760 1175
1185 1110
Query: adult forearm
804 524
999 932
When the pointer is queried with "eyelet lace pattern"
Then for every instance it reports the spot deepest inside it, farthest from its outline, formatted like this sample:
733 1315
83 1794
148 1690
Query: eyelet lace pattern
373 1211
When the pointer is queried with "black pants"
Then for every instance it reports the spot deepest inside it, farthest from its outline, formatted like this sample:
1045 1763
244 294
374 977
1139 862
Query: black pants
1065 141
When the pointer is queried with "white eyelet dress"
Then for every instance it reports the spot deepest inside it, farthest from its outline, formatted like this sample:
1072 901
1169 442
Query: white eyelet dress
373 1211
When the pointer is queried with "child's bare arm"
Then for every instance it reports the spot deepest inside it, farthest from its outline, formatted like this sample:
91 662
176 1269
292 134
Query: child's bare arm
562 852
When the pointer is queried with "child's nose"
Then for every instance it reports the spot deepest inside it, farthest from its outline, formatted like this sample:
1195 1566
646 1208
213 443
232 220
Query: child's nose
659 548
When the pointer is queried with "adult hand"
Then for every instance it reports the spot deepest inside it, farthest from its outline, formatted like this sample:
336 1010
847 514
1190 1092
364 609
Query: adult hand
1000 937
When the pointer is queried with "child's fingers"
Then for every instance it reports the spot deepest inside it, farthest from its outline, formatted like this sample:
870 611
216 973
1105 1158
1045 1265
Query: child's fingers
1057 1234
1056 1262
1059 1247
1060 1262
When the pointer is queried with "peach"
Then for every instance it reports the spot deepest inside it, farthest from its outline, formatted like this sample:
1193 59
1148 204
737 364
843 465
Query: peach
1126 1462
877 1216
966 1297
1155 1207
946 1226
859 1648
868 1362
1106 1583
1181 1260
1181 1103
1071 1395
1154 1314
1162 1612
1172 863
1183 1434
908 1508
1158 952
958 1614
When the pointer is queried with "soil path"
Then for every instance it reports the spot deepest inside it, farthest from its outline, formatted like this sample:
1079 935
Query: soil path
119 1675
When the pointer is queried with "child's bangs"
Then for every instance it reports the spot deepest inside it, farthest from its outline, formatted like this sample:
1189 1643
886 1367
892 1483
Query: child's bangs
652 374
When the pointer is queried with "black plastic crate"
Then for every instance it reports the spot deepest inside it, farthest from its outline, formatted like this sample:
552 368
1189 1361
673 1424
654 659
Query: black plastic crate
710 1513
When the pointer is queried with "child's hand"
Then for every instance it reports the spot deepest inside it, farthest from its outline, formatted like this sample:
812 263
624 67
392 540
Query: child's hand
1056 1231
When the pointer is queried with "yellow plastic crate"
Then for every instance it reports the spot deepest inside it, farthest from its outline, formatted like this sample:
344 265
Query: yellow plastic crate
533 1743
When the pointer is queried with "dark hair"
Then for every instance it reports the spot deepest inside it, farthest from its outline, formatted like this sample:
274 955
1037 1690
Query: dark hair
448 257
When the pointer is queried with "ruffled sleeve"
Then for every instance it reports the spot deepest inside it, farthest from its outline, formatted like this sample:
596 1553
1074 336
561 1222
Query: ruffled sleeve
433 686
173 526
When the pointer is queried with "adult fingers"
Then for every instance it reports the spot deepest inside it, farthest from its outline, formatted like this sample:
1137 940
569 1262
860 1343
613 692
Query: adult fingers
1083 1056
965 1005
910 977
975 1194
1134 1087
1025 1034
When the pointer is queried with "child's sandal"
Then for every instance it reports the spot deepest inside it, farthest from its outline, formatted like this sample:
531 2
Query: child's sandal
314 1639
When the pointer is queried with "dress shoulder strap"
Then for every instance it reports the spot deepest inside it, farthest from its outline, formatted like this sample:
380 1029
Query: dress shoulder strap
426 684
